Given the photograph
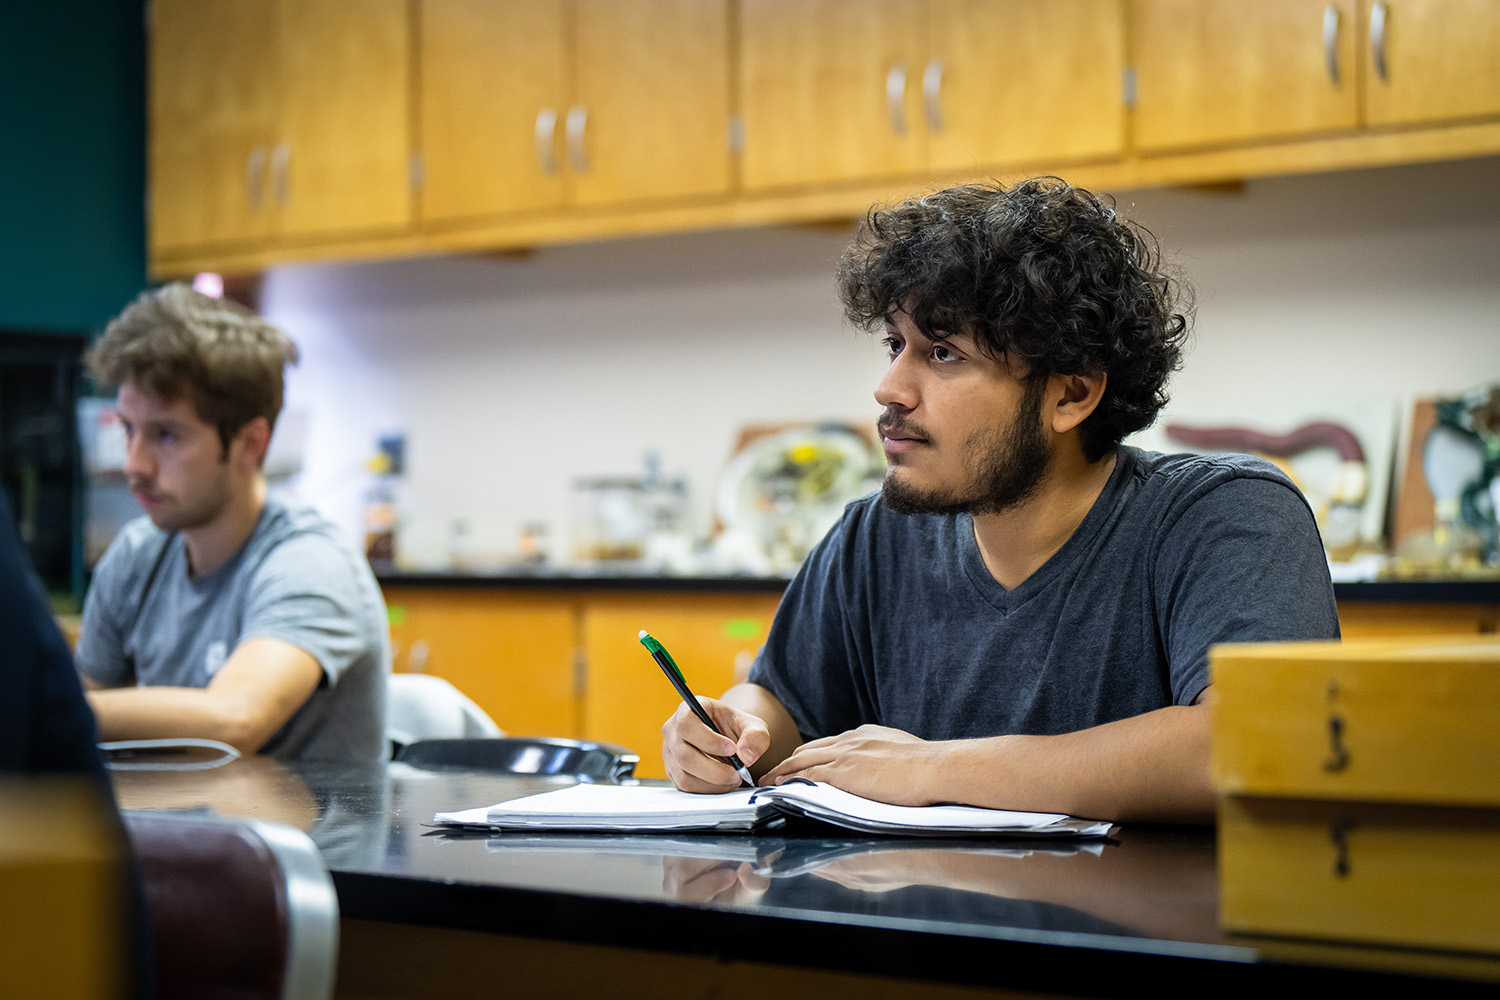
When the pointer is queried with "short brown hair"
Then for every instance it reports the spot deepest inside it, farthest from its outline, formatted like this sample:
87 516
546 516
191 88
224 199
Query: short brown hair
174 342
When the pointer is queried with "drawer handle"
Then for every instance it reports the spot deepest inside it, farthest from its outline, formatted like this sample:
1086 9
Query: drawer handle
546 133
1331 43
932 95
255 181
895 98
1377 40
573 128
1338 832
280 161
1338 754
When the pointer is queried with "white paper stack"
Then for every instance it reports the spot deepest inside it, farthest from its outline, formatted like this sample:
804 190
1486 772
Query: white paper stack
624 808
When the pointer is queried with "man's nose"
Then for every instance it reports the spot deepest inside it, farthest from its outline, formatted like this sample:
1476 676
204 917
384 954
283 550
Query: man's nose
896 389
138 460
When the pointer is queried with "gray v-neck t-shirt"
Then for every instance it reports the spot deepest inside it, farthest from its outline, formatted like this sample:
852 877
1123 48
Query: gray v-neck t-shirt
895 620
294 579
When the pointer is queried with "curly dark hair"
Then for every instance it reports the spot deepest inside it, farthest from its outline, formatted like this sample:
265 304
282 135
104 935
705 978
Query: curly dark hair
1040 272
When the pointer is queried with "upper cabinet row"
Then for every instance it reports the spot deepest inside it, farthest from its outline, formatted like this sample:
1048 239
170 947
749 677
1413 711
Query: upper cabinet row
1219 71
311 127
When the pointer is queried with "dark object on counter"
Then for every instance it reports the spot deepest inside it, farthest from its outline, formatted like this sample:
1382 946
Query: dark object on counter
586 760
279 938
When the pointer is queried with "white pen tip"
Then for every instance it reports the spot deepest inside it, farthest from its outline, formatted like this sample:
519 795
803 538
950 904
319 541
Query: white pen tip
642 634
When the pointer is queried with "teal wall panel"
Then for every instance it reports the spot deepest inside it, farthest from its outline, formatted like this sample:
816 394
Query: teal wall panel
72 162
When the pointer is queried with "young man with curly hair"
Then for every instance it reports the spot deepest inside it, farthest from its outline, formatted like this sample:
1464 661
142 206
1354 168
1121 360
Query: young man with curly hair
223 614
1021 618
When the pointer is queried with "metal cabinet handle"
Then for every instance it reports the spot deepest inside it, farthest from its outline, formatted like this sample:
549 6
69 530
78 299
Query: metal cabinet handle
280 159
1377 40
546 133
416 660
255 179
573 127
895 98
1331 43
932 95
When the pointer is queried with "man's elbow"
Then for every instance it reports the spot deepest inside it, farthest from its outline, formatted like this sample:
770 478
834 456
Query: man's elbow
243 727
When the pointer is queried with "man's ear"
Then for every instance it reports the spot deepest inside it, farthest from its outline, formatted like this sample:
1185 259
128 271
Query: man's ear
251 442
1075 397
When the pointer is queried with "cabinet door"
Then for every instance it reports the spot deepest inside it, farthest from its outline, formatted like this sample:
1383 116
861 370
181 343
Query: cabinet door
494 88
342 161
1429 60
212 121
830 91
513 654
1013 81
1220 71
713 638
653 93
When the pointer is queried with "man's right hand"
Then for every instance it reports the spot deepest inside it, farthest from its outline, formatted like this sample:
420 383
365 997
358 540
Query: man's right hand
695 755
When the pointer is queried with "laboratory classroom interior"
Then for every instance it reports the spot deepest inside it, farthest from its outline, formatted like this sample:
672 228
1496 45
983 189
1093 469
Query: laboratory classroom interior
512 374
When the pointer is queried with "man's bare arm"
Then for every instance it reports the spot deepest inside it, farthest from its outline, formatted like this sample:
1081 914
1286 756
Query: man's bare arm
257 690
1152 767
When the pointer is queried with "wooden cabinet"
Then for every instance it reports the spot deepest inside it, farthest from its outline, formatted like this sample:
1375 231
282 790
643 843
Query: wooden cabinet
1403 620
298 129
212 121
712 637
512 652
834 92
569 662
277 119
1026 83
492 79
1431 60
1220 71
541 104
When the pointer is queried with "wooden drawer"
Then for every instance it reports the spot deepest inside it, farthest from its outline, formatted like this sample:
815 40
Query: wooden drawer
1397 875
1408 722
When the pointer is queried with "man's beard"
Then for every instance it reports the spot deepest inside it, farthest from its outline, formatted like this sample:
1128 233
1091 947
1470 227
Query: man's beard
1008 466
202 508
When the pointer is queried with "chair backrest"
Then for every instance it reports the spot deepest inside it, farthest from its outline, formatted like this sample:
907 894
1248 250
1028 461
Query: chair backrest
424 707
239 908
602 762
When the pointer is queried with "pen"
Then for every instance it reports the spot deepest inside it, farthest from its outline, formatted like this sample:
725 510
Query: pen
669 667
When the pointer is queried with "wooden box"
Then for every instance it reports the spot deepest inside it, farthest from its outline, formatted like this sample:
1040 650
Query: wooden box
1360 791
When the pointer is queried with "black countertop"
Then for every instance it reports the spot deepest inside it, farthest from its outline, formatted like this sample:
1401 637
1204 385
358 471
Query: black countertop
1078 917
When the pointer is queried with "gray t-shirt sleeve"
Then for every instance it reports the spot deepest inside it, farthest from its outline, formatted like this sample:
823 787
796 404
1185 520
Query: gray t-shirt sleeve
303 593
1242 563
112 598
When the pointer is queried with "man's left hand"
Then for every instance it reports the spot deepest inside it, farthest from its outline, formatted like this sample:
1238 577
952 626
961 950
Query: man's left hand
878 762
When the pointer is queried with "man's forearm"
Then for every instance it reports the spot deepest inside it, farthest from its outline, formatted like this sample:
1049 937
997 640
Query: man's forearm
148 713
1149 767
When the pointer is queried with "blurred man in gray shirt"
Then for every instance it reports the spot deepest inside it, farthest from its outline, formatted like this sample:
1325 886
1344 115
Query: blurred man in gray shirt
223 614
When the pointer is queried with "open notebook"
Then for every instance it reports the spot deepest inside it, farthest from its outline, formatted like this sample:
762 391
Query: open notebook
624 808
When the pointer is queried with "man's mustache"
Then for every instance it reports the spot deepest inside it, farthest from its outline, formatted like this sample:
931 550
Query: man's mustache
895 424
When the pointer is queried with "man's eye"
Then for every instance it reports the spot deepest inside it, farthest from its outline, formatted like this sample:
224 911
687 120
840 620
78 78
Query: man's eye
941 353
893 345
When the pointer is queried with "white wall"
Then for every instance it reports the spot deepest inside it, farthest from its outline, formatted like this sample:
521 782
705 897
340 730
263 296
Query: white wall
511 376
